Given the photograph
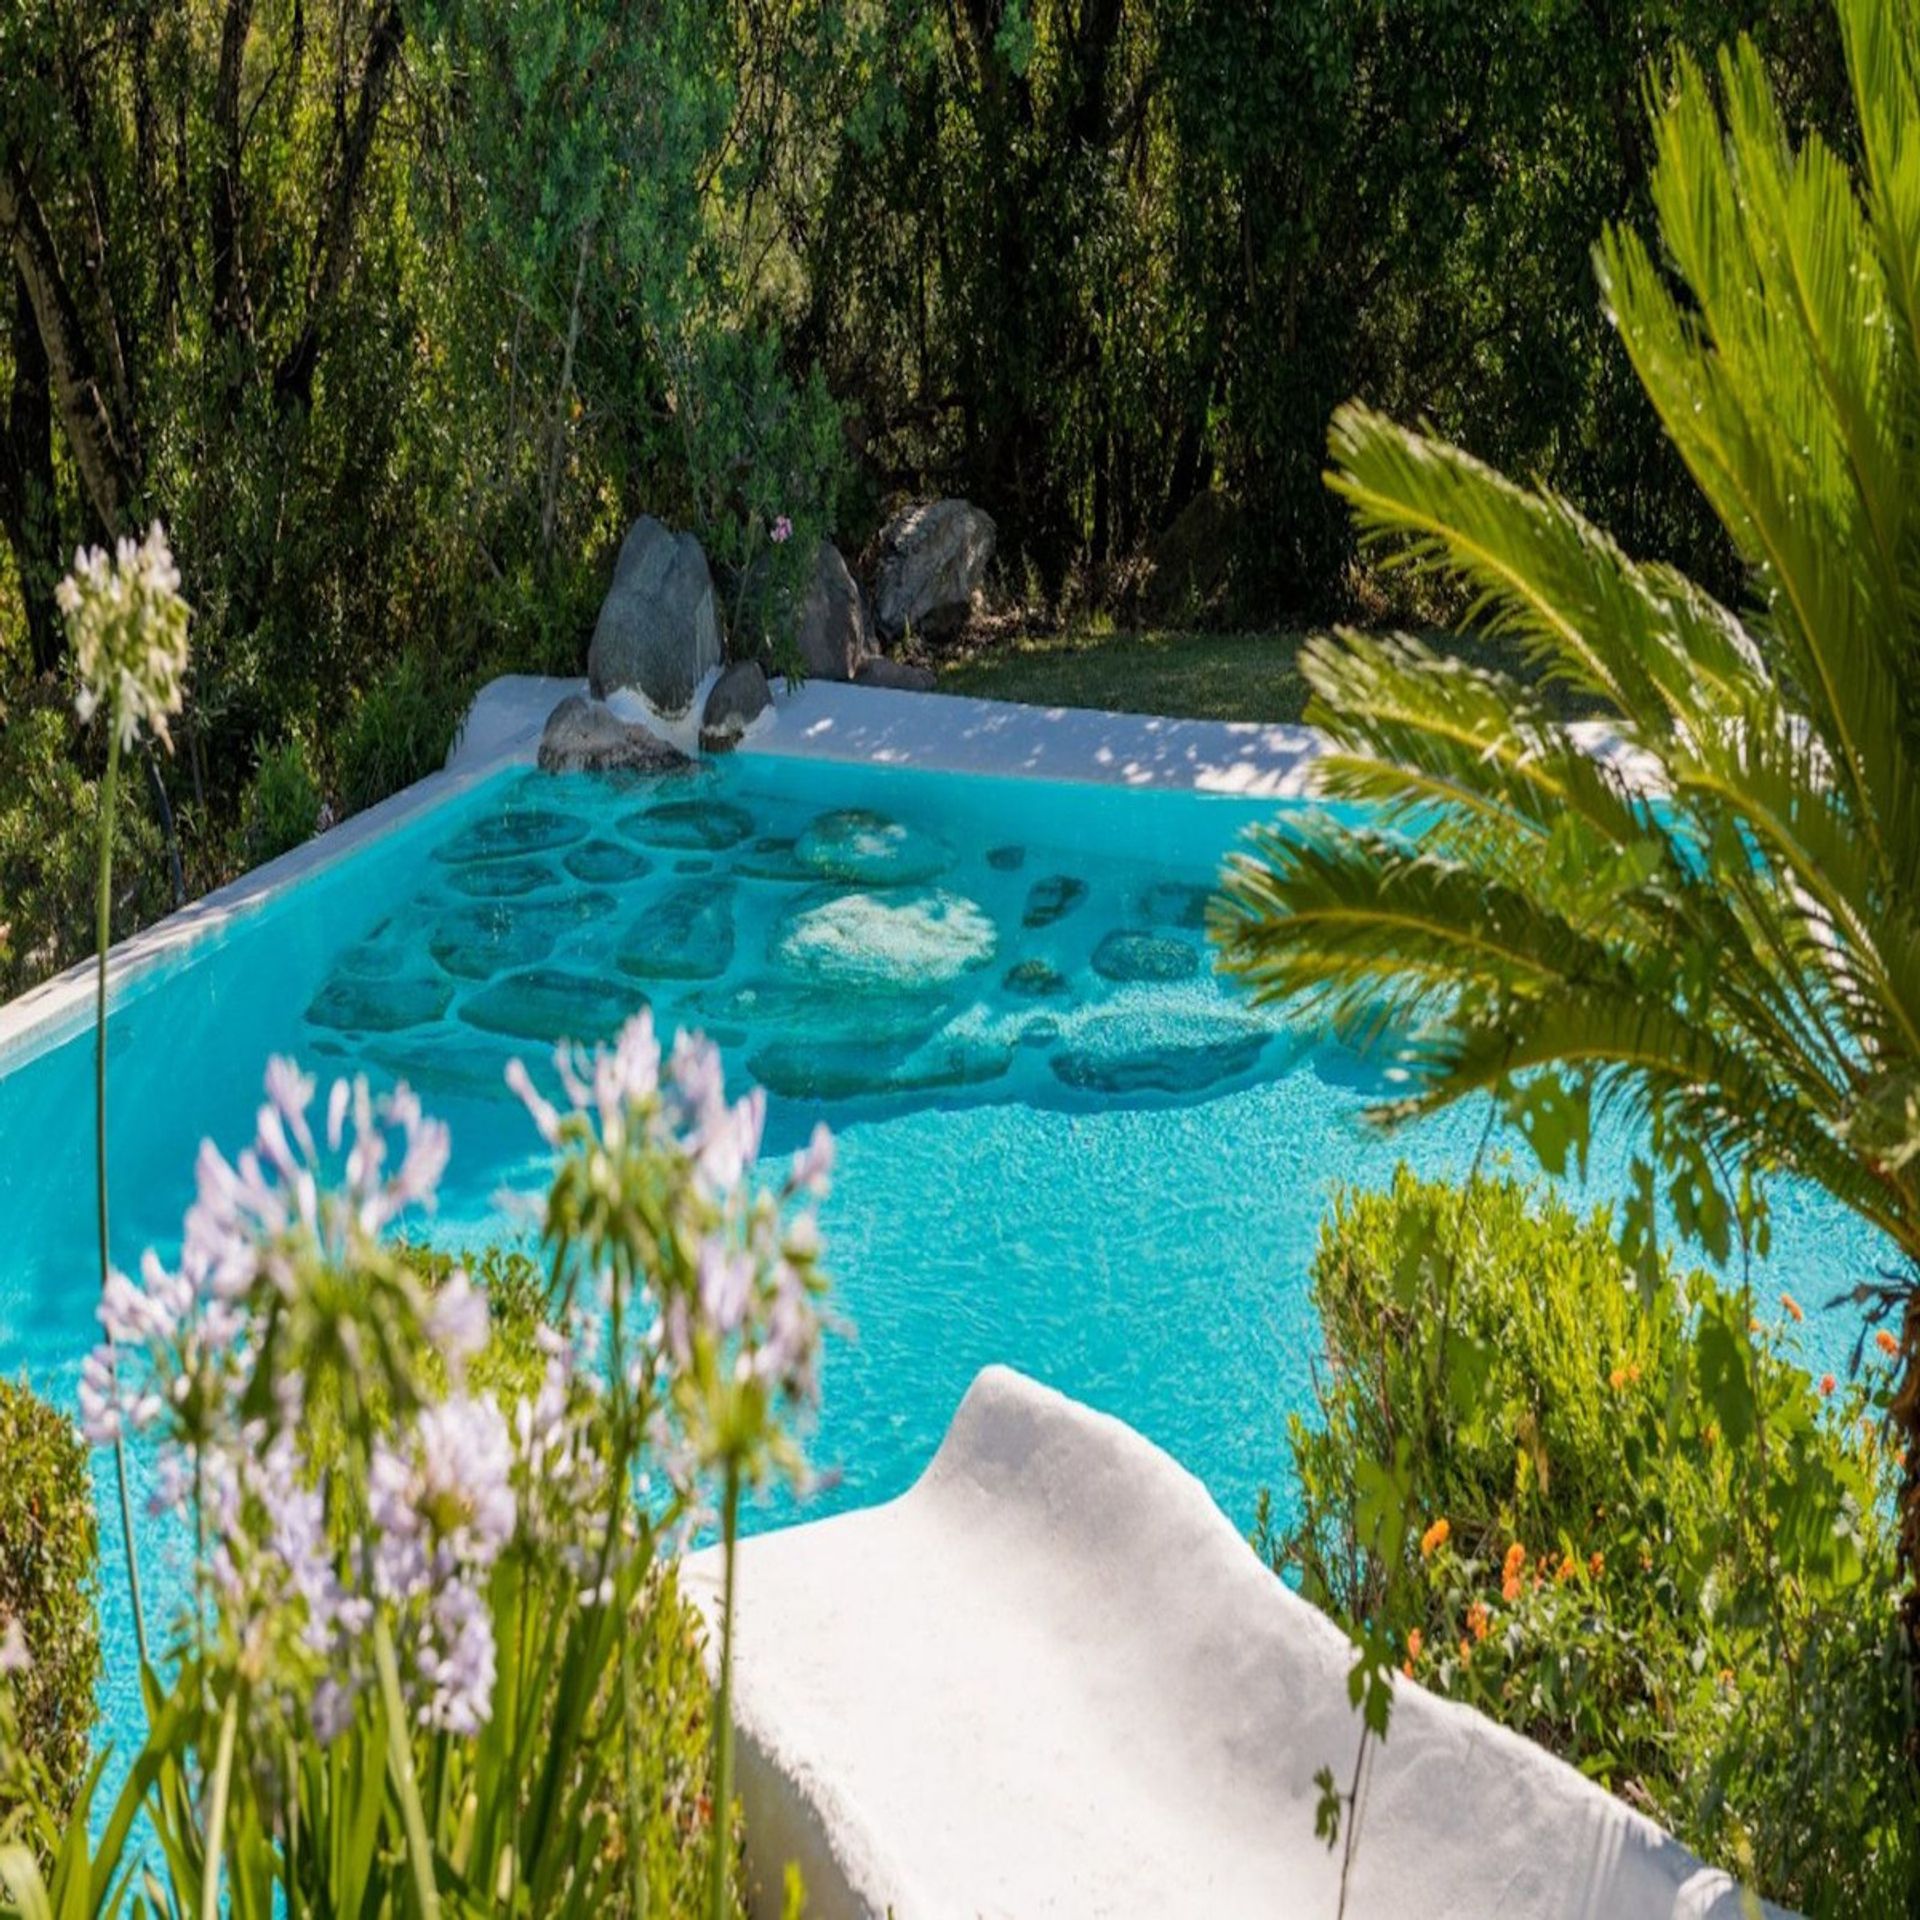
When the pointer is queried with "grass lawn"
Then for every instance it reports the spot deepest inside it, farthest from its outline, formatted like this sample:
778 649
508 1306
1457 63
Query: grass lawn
1209 676
1200 676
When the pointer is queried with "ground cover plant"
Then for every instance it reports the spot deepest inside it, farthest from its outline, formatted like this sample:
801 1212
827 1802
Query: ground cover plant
1623 1519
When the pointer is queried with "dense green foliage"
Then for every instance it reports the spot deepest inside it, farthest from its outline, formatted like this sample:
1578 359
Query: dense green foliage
397 314
1624 1521
49 1577
1718 938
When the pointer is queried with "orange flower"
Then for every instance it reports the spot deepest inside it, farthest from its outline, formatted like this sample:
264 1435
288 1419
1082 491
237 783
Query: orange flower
1567 1568
1466 1653
1617 1378
1726 1676
1406 1667
1827 1383
1415 1641
1633 1369
1886 1342
1477 1621
1510 1588
1793 1307
1596 1564
1515 1560
1710 1436
1434 1538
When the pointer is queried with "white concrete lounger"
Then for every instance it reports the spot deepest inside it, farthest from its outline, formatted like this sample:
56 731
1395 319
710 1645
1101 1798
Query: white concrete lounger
1052 1680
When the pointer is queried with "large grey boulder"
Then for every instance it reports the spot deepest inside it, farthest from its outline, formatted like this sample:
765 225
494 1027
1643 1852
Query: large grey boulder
586 736
933 563
659 627
737 699
834 633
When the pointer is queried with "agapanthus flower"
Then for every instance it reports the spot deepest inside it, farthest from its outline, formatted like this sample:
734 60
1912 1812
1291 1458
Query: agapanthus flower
442 1508
128 627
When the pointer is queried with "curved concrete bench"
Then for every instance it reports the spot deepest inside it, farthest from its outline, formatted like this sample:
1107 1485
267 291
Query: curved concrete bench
1052 1680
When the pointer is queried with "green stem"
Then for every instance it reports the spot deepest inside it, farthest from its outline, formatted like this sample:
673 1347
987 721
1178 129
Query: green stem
400 1759
217 1815
723 1708
103 932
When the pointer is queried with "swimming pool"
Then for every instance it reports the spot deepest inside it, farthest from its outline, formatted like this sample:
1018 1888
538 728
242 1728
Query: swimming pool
1064 1143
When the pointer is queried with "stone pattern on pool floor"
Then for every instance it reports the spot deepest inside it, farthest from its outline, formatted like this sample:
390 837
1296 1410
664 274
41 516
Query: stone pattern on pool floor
838 954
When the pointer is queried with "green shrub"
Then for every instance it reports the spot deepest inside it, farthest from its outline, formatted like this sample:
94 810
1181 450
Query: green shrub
283 802
400 730
49 1575
1625 1522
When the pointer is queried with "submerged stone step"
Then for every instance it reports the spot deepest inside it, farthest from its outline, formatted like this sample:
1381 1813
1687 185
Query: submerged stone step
803 1014
503 879
1120 1053
1053 899
689 826
607 863
869 849
364 1004
508 835
477 942
551 1004
926 937
857 1069
685 935
1128 956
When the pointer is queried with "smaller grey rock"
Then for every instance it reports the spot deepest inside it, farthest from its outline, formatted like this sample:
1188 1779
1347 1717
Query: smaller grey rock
738 698
1144 956
900 675
834 633
586 736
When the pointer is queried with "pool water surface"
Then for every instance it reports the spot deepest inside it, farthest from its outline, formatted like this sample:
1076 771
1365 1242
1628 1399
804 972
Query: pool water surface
1065 1144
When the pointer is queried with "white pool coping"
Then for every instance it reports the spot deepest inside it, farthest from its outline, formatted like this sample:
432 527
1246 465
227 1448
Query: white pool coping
1052 1679
818 721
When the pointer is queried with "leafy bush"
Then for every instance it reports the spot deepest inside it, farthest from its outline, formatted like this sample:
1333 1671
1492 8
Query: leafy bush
49 814
49 1575
1620 1518
400 729
283 802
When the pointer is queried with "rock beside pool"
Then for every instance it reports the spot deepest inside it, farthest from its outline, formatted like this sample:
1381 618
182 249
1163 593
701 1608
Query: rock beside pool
834 634
587 736
659 627
870 850
737 699
685 935
1144 956
865 940
899 676
933 565
1117 1054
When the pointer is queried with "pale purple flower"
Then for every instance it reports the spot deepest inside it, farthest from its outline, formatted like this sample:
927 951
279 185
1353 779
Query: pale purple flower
457 1318
813 1164
782 531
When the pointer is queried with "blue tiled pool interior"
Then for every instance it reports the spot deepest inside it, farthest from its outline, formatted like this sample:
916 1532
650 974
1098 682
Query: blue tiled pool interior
1065 1143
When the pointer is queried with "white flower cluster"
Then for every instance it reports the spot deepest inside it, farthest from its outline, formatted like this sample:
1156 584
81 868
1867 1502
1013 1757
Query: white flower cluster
128 627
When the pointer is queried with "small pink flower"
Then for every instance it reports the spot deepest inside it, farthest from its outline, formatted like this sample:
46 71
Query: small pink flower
782 531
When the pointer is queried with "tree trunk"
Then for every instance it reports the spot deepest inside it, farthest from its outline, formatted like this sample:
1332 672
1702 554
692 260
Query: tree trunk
28 508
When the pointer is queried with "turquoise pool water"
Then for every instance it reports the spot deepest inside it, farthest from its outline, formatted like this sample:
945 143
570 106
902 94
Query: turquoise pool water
1064 1143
